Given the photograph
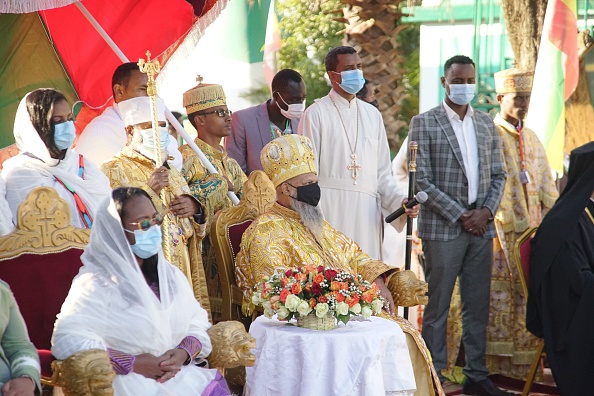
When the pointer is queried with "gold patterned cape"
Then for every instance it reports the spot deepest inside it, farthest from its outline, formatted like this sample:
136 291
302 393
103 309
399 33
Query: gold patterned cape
278 240
208 188
131 169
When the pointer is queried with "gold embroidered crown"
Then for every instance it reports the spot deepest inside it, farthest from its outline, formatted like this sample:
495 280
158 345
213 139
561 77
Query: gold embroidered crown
204 96
286 157
513 80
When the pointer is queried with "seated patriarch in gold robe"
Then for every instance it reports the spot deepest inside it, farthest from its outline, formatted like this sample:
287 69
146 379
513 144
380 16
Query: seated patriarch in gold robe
185 217
294 233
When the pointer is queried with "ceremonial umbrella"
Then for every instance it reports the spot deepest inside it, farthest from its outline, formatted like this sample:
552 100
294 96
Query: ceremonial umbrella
65 44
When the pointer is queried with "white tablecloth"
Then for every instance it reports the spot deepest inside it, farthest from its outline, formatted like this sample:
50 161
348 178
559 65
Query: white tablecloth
361 358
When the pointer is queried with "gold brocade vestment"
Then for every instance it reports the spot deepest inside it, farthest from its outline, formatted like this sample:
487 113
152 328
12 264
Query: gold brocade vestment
209 188
278 240
131 169
211 191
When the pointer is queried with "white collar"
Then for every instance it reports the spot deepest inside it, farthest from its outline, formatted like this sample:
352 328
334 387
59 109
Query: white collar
340 101
453 116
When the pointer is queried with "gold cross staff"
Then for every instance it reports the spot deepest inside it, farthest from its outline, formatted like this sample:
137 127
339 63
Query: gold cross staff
354 167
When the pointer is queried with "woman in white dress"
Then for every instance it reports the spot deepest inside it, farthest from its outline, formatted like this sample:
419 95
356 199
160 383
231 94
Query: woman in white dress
44 132
128 300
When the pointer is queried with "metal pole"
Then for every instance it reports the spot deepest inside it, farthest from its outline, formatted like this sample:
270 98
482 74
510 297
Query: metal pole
412 171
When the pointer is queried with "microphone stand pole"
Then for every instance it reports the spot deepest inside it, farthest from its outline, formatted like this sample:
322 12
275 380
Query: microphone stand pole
412 171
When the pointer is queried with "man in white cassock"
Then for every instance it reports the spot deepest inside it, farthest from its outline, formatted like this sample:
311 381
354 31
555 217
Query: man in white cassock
105 135
352 154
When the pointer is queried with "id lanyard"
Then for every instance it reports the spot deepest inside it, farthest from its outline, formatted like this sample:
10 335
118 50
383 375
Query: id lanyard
80 205
276 132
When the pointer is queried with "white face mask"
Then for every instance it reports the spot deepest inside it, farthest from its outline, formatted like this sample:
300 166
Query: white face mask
461 94
294 110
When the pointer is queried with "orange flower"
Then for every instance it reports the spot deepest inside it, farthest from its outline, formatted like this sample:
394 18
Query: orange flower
312 303
300 276
319 278
368 296
274 299
307 287
351 301
322 299
283 295
309 268
284 282
296 288
339 296
335 285
344 285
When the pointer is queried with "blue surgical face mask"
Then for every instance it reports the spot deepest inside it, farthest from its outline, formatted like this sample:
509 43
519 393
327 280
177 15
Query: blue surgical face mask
149 142
352 81
461 94
64 134
148 243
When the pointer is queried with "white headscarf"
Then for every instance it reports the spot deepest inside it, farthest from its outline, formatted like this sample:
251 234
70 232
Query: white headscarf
110 305
23 172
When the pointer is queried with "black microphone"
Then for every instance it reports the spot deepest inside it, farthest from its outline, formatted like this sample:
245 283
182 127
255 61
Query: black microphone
420 198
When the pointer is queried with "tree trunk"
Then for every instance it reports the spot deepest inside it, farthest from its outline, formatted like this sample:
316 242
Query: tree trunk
579 114
524 20
371 27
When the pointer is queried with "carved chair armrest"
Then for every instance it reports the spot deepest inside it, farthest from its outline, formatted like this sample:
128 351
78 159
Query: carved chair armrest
407 290
231 346
86 373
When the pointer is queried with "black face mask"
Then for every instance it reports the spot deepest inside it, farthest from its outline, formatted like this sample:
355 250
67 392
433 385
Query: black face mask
309 194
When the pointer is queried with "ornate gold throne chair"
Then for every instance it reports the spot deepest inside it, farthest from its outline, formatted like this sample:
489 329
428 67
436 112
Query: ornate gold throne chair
227 229
38 260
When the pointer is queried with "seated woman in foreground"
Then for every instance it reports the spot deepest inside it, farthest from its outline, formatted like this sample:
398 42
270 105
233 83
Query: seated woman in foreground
127 299
19 362
44 131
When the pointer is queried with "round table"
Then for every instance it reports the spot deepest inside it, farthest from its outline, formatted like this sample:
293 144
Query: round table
360 358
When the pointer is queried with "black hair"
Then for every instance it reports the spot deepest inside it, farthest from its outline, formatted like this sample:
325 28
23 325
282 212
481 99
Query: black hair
191 117
363 91
458 59
40 106
177 114
331 60
282 78
122 74
121 196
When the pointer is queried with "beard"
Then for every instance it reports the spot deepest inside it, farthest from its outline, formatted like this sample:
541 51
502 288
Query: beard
311 217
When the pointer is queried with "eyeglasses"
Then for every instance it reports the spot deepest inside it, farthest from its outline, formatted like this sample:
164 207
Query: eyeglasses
220 113
145 224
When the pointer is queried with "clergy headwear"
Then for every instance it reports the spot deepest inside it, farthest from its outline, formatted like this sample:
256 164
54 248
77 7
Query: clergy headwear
286 157
138 110
204 96
513 80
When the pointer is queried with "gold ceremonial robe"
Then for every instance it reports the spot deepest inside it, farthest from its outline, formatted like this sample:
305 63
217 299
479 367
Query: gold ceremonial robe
278 240
131 169
209 188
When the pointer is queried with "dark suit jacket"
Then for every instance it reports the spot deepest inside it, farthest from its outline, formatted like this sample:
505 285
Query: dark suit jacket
441 173
250 132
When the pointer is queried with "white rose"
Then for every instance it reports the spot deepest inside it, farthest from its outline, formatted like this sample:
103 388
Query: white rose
322 310
282 313
292 302
366 312
342 308
256 298
267 306
377 305
303 308
356 309
269 313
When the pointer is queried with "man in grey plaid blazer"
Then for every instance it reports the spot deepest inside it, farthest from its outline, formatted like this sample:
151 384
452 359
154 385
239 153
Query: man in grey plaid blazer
460 167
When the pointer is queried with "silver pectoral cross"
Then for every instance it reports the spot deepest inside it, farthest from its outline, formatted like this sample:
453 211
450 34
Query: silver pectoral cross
354 167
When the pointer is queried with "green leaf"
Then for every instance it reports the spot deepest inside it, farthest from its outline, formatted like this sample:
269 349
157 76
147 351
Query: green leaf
343 318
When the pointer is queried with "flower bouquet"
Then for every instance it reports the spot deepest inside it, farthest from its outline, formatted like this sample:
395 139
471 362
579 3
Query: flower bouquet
320 292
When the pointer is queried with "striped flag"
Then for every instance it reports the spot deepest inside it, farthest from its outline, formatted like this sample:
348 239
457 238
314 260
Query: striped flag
555 78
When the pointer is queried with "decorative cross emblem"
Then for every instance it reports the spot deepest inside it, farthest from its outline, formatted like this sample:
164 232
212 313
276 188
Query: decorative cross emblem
151 68
354 167
199 79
